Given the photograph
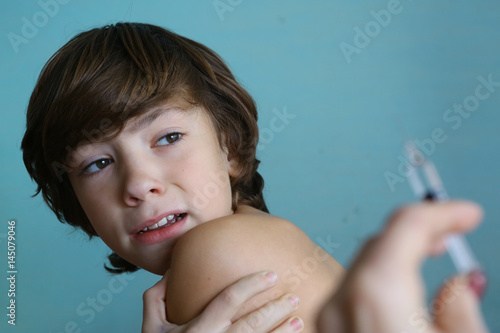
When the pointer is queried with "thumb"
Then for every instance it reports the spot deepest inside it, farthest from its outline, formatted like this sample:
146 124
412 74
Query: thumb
456 307
154 310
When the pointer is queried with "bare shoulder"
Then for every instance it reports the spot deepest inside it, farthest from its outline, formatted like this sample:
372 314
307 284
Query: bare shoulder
216 254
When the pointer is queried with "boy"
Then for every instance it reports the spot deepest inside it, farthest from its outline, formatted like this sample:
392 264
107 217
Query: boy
141 136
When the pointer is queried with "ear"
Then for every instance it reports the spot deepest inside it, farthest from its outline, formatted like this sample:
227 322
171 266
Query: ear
233 166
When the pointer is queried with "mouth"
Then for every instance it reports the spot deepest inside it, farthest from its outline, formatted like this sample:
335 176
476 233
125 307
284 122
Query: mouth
163 223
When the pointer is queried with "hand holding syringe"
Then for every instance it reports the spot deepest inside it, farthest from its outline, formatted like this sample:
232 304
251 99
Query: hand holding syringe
431 188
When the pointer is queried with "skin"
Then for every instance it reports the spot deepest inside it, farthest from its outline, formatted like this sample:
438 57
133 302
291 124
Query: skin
124 182
214 255
169 160
384 290
216 318
139 176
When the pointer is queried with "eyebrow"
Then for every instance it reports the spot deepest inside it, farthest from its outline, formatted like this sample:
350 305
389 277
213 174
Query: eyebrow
146 119
137 124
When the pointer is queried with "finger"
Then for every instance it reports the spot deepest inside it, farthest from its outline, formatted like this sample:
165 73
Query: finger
293 324
154 308
457 299
422 227
266 318
229 301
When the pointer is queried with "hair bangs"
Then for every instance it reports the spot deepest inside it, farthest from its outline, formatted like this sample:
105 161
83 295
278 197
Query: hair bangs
121 73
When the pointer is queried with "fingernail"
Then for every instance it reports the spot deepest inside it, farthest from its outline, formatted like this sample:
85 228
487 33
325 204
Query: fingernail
297 324
294 300
478 283
271 276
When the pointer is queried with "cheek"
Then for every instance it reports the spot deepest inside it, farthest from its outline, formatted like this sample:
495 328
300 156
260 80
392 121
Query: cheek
107 232
210 191
99 221
96 199
98 212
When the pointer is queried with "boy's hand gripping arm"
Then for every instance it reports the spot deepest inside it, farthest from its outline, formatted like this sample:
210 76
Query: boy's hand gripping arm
216 318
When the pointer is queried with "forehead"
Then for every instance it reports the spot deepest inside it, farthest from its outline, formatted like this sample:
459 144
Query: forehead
170 112
175 106
165 111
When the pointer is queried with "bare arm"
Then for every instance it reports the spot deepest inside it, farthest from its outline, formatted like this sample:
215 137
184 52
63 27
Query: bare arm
216 318
216 254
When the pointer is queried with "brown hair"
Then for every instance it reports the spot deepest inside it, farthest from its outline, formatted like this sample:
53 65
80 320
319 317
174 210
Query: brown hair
103 77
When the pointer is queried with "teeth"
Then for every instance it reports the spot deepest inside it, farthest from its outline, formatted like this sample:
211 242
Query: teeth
163 221
169 219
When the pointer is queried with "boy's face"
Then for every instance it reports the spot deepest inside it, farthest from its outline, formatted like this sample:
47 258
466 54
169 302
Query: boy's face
164 174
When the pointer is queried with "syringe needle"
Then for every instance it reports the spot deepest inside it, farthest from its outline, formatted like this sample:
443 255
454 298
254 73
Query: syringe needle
456 245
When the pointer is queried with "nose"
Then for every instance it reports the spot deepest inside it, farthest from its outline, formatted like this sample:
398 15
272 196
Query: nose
141 181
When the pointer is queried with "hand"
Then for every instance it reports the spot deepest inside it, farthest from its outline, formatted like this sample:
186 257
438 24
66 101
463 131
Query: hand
216 318
384 290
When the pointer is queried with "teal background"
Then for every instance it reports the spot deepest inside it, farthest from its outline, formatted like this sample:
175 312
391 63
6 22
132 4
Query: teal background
324 168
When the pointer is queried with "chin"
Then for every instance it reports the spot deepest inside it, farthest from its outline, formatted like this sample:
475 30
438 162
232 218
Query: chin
155 268
158 267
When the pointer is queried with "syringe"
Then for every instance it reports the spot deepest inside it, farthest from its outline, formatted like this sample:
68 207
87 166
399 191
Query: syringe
431 188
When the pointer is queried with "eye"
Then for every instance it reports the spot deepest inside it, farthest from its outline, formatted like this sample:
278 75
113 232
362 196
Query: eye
168 139
97 165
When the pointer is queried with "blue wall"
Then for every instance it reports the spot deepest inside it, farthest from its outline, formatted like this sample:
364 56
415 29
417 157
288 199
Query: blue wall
352 99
